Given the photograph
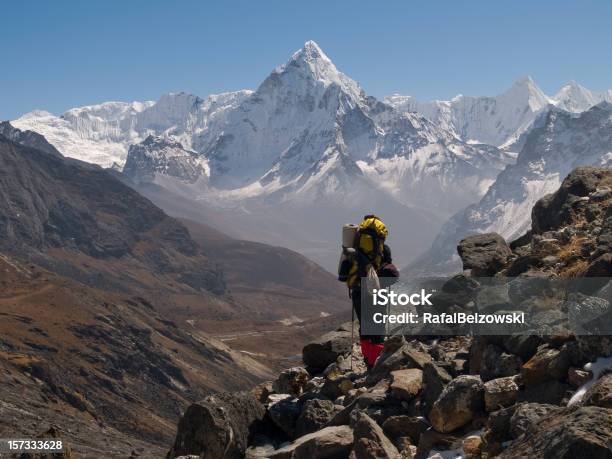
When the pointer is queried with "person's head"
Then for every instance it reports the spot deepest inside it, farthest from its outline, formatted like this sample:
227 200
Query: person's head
387 254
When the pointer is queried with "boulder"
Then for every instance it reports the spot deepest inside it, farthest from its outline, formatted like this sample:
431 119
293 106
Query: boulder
527 415
315 414
370 440
497 364
435 378
374 397
458 403
328 443
218 427
336 385
549 392
406 384
291 381
498 427
285 414
405 426
525 346
556 210
600 393
484 254
547 364
409 355
499 393
582 433
600 267
326 349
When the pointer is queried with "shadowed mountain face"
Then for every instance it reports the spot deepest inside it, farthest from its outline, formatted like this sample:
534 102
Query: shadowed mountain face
109 307
28 139
59 210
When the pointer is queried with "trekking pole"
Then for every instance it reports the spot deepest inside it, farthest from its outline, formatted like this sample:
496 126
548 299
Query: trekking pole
352 333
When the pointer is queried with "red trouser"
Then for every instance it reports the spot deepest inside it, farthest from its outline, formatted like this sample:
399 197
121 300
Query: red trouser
371 346
370 350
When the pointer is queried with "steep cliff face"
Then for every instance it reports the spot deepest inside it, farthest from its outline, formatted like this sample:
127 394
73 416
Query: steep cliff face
529 395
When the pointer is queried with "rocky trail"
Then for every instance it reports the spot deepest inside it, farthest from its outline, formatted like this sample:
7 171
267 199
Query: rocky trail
450 396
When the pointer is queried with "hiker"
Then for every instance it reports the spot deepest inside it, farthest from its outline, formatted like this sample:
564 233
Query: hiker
368 253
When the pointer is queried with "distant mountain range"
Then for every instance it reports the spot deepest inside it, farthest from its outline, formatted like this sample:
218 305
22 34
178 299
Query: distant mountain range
500 120
309 150
559 142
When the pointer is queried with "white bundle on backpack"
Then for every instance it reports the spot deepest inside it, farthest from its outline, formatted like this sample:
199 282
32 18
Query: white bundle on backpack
372 281
349 231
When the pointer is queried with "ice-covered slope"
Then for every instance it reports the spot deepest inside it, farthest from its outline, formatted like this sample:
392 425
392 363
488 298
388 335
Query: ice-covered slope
102 134
560 142
499 120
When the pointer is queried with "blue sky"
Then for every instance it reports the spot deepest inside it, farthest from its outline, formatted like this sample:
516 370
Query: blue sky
57 55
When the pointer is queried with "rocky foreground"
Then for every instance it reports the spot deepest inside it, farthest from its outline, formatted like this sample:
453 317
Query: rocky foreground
528 396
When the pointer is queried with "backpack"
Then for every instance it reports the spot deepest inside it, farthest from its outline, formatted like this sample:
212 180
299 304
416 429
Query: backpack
367 256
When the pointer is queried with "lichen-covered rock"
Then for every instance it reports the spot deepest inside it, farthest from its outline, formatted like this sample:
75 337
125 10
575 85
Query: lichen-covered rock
499 393
406 384
291 381
458 403
315 414
558 209
527 415
547 364
370 440
600 393
582 433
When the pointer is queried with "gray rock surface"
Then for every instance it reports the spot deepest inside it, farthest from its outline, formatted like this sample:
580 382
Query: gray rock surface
218 427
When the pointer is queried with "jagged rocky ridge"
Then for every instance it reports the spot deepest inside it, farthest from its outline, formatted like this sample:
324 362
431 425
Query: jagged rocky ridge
28 139
164 156
473 397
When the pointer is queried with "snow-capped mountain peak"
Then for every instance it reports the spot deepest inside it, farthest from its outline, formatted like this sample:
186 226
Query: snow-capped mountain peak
499 120
310 63
575 98
526 91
